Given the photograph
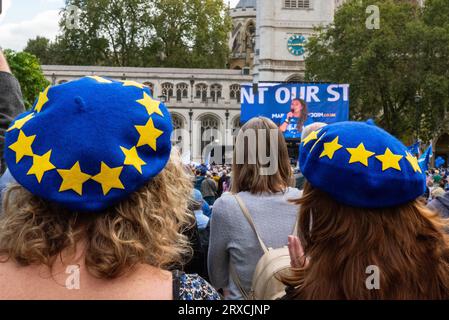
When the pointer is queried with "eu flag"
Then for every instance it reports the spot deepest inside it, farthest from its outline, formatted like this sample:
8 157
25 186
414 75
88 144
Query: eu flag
414 148
425 158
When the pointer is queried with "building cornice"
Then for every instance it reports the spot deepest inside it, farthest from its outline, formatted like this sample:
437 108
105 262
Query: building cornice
153 73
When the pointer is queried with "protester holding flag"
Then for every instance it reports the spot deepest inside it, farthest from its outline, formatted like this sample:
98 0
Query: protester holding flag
363 230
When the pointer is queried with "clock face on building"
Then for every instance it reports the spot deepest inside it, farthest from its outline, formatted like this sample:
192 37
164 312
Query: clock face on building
296 44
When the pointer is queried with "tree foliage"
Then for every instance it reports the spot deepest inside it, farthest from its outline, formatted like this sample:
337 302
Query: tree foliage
164 33
28 72
398 73
41 48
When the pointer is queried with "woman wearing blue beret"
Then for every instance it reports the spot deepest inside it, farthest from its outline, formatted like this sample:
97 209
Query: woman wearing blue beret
101 201
364 231
257 215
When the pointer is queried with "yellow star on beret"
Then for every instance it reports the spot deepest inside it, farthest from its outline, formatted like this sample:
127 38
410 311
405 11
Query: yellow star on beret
18 124
312 136
148 134
316 142
360 154
41 164
100 79
73 179
22 147
414 162
129 83
43 99
390 160
132 158
330 148
109 178
151 105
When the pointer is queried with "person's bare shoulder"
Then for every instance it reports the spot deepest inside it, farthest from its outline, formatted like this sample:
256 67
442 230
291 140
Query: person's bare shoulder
144 282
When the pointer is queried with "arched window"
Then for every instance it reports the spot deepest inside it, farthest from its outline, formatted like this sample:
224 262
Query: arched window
215 92
178 125
150 85
167 90
177 121
236 44
236 123
209 129
201 92
295 78
234 92
182 91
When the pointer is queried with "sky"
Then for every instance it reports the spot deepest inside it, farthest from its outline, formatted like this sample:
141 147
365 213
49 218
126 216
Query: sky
21 20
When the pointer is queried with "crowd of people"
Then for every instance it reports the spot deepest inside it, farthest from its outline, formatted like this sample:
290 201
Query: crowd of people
93 185
437 190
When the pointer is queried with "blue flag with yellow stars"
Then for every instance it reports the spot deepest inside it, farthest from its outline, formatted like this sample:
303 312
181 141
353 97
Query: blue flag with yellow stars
414 148
425 158
89 143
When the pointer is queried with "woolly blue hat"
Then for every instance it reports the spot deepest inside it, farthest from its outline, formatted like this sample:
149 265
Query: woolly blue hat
89 143
361 165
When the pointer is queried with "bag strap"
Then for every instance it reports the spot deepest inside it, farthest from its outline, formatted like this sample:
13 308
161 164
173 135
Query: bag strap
251 221
248 217
237 282
295 230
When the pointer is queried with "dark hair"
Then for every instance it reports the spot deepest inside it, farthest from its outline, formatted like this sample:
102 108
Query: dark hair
304 112
341 242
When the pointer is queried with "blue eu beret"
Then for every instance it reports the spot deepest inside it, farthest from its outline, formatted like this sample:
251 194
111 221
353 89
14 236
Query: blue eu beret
361 165
89 143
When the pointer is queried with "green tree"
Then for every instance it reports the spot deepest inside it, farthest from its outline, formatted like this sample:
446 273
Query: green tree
385 67
28 72
82 40
41 48
192 33
170 33
434 48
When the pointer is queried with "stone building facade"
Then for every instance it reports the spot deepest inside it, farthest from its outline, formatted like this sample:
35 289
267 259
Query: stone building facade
282 29
204 103
242 40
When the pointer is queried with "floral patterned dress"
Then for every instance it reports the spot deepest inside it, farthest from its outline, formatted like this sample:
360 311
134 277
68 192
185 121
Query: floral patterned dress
192 287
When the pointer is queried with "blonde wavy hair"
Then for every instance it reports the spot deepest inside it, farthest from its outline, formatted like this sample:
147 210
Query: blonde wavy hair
146 228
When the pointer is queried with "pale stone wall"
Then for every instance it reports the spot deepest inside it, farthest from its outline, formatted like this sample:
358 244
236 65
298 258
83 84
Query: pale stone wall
275 25
189 111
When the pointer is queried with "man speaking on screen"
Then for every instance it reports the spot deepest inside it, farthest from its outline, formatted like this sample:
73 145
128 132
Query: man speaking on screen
293 122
